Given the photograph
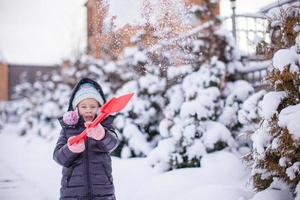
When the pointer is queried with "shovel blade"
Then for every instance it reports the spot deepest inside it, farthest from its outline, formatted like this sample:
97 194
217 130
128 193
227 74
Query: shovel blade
116 104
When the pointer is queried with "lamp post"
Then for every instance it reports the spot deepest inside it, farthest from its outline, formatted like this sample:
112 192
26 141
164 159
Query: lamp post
233 6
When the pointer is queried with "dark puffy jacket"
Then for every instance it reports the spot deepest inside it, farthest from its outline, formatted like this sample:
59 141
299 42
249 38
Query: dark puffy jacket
86 175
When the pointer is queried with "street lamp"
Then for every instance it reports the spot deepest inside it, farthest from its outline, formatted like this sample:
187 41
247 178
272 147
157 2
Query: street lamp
233 6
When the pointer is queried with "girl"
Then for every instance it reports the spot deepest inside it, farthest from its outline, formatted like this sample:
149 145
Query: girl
87 172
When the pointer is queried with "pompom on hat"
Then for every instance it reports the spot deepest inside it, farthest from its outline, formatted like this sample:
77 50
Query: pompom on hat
71 117
87 91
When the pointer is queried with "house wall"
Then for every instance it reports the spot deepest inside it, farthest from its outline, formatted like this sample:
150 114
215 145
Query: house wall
3 82
25 73
12 75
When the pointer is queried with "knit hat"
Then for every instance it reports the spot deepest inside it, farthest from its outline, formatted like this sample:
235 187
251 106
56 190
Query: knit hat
86 91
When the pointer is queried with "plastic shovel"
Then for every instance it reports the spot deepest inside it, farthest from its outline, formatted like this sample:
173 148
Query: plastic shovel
112 106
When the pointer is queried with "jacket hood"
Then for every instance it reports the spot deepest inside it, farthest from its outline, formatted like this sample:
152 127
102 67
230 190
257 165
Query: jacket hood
108 120
77 86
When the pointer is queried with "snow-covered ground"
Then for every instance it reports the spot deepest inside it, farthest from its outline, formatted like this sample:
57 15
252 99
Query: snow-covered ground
28 172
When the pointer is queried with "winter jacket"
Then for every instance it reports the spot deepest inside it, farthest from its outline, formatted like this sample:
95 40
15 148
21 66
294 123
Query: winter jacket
86 175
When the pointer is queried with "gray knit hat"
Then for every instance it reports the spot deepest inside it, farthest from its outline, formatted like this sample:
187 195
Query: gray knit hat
86 91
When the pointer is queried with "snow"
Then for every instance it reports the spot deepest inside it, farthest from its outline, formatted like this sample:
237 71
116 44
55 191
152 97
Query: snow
152 83
175 71
110 67
260 138
297 41
50 109
289 118
293 170
226 34
251 108
198 107
270 103
160 156
242 89
273 194
284 57
283 161
175 102
236 93
164 125
176 131
255 65
188 132
228 116
200 183
196 150
35 175
136 139
136 54
216 132
30 163
194 108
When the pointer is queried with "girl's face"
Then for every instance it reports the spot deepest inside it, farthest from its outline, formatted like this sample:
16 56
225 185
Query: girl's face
87 108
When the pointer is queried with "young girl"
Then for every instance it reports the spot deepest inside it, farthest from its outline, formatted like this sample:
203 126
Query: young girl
87 172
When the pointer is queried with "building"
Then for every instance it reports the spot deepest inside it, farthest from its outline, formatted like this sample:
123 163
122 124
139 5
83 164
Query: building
12 75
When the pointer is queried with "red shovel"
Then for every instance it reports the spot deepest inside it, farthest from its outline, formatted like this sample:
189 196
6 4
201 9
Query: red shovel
111 106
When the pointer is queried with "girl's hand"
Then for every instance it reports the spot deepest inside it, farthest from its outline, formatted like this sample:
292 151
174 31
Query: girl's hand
76 147
96 133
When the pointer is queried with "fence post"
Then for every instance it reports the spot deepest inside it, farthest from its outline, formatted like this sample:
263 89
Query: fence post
233 6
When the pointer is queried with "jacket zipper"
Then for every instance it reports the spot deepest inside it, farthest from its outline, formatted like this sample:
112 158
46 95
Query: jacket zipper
88 170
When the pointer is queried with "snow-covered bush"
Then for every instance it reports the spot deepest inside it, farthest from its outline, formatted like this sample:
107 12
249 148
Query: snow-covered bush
250 116
201 115
139 121
212 51
37 106
3 114
236 93
276 144
189 128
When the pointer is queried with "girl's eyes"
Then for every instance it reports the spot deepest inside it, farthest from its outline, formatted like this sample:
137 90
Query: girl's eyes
85 107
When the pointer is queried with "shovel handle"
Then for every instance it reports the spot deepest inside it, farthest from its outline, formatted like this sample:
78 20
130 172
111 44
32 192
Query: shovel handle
83 135
79 137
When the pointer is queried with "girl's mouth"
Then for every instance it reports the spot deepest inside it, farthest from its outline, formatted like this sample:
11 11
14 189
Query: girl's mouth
88 118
